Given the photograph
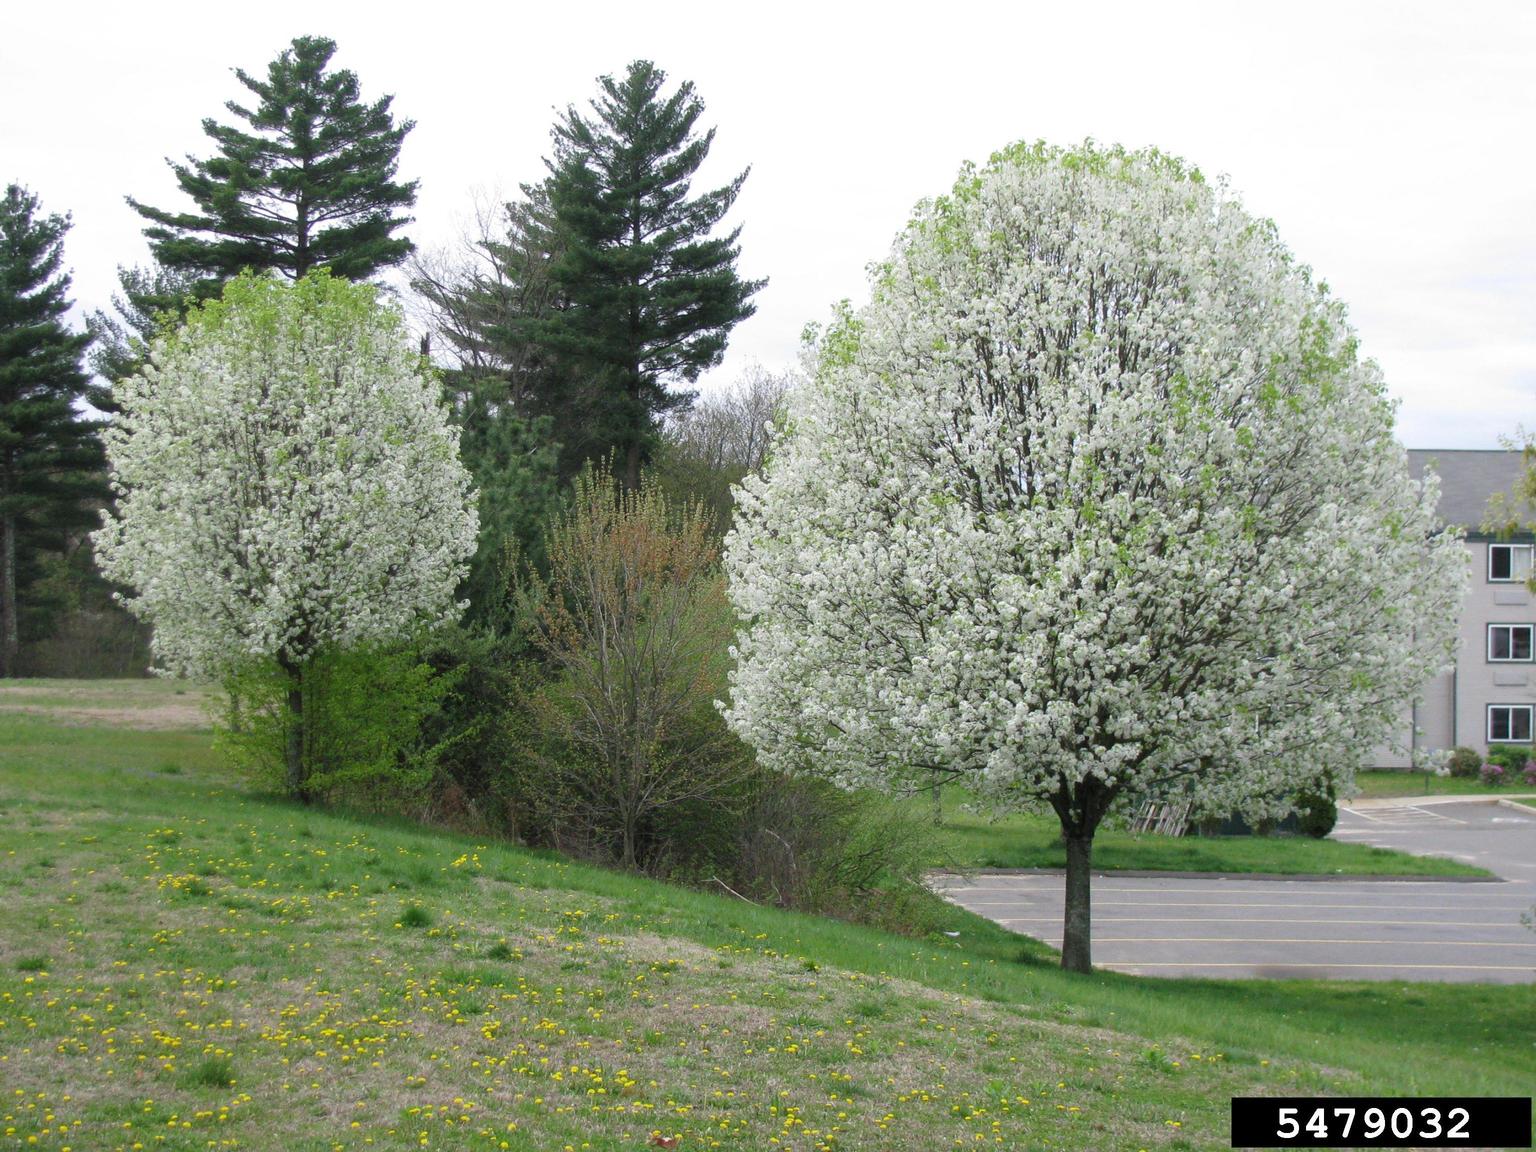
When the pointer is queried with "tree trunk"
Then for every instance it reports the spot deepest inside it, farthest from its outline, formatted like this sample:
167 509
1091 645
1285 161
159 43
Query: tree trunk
632 467
1077 925
296 776
10 642
631 834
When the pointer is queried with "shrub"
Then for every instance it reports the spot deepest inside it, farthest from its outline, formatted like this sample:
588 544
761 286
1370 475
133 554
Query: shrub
1530 773
633 625
365 723
1464 762
474 786
1510 757
1317 811
805 843
1493 775
86 644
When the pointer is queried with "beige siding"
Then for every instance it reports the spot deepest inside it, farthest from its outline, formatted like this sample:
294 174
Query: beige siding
1481 682
1454 708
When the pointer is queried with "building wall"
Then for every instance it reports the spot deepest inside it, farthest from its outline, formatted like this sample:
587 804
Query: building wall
1453 710
1479 681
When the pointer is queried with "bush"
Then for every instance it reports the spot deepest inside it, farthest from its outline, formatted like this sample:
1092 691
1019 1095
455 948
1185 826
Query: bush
633 626
804 843
1493 775
88 644
1510 757
365 723
1464 762
1530 774
681 820
475 787
1317 811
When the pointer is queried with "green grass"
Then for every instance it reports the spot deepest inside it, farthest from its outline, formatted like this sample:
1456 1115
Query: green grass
1030 840
198 966
1383 785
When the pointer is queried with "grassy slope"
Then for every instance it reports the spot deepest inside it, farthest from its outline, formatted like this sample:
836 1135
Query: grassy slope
185 965
974 840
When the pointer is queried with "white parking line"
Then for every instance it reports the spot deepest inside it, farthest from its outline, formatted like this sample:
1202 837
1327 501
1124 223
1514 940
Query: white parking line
1328 964
1262 920
1350 928
1305 940
1309 904
1405 813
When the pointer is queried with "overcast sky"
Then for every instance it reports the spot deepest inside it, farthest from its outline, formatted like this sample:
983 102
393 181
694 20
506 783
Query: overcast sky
1392 143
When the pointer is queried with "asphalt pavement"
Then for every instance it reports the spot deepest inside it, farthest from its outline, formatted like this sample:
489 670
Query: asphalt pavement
1333 928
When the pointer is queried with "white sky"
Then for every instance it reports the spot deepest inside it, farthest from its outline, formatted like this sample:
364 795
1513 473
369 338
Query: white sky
1392 143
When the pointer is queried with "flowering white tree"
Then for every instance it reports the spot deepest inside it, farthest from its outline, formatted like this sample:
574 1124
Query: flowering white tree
1093 501
287 482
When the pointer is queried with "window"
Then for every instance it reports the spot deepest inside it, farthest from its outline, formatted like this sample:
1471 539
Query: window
1510 641
1509 562
1509 723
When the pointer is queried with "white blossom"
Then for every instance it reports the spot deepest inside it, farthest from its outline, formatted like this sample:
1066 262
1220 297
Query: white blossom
1095 499
287 479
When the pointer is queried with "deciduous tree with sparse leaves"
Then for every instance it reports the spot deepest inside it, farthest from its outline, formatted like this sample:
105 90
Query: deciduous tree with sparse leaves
1094 501
288 482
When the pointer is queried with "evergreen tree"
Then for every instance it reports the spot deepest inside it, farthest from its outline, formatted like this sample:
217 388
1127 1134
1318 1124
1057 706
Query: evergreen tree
51 462
150 301
313 182
646 297
506 393
513 464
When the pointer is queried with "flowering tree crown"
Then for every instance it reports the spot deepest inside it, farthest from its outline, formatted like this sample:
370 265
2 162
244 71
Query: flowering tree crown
1094 498
287 479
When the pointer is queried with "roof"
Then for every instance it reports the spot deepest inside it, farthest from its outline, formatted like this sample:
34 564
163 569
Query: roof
1468 477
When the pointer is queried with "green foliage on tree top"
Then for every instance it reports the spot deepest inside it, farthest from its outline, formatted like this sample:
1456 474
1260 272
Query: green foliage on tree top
310 184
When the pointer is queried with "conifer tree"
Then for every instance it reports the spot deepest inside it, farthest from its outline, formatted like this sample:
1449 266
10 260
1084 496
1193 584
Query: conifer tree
50 459
646 295
150 301
311 183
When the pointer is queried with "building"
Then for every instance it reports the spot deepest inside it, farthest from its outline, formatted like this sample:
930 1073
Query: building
1489 696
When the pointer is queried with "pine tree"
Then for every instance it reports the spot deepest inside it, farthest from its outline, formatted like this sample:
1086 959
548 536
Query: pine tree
51 462
313 182
151 300
646 296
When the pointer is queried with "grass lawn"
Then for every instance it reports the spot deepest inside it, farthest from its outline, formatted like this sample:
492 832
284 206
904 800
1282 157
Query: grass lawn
1374 785
189 965
1028 840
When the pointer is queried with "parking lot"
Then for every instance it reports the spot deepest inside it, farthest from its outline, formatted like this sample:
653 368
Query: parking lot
1355 928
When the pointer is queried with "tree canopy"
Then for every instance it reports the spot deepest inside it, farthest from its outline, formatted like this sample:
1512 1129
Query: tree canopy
148 301
1095 501
310 181
610 289
50 456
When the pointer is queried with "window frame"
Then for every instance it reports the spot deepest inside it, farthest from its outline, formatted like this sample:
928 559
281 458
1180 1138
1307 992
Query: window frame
1530 644
1530 722
1511 578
